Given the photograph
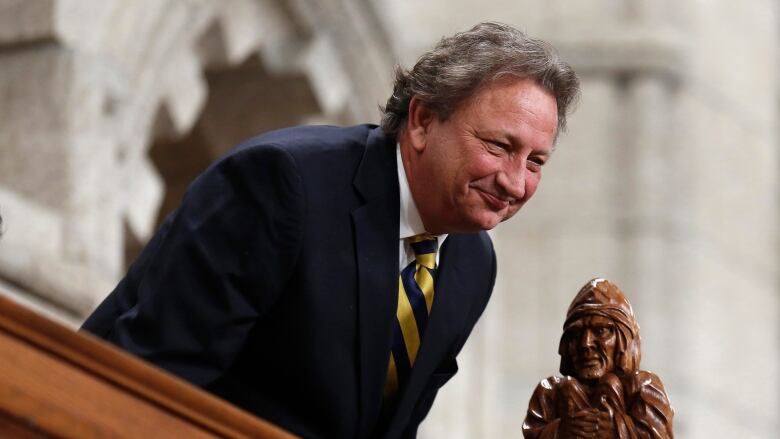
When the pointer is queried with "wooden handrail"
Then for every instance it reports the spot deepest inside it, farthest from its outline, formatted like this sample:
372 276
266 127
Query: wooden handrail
85 365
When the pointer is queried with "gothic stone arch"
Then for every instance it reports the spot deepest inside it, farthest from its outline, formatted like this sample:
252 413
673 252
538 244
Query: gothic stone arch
99 97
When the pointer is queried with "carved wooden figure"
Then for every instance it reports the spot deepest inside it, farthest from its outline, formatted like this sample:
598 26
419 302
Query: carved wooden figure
603 393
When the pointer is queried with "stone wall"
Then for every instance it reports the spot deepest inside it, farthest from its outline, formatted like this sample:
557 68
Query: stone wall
98 95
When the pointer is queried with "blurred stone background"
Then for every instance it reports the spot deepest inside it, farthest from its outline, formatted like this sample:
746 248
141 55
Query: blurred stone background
667 182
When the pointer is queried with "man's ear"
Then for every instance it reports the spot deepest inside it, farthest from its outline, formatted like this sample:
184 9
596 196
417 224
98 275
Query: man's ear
418 123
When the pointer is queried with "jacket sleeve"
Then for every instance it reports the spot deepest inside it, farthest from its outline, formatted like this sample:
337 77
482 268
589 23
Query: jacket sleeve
216 266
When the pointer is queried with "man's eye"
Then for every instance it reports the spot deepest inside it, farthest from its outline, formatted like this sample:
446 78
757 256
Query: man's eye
536 161
534 164
499 145
604 331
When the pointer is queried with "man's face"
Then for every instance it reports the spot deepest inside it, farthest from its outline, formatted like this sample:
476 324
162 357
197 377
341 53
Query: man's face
484 162
591 346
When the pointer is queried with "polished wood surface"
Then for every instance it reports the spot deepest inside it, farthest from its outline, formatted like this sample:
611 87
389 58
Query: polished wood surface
55 382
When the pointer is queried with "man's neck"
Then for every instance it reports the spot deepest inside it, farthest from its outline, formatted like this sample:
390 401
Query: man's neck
410 223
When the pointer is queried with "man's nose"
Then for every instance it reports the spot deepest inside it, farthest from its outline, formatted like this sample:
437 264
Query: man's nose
512 181
587 340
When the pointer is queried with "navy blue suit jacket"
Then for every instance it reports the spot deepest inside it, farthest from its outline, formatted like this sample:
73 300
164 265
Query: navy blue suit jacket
274 285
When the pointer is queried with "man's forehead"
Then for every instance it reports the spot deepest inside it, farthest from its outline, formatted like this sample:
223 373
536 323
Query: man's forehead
592 320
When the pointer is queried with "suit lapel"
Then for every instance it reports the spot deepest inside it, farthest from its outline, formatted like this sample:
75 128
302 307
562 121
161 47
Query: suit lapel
376 247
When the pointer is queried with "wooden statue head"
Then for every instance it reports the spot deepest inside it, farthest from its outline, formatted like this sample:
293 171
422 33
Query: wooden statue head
600 334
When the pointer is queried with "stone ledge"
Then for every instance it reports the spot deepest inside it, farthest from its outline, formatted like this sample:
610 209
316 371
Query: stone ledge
620 50
25 21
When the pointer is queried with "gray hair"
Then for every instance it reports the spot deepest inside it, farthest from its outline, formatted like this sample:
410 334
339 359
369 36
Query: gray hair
458 66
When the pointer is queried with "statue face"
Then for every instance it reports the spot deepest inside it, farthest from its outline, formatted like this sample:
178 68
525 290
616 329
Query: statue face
591 346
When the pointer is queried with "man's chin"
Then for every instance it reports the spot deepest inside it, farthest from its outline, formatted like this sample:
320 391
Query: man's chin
477 220
590 374
488 222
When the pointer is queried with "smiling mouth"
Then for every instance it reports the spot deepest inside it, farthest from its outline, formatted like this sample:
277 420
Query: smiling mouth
493 201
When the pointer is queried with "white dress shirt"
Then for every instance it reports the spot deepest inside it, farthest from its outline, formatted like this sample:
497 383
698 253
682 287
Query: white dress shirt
410 223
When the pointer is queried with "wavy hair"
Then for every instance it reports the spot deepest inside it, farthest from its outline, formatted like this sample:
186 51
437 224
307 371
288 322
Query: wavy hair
458 66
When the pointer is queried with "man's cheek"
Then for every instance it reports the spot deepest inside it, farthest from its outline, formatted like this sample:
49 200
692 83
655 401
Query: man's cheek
530 189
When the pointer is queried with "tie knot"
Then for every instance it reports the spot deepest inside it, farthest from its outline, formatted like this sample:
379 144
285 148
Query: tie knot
425 246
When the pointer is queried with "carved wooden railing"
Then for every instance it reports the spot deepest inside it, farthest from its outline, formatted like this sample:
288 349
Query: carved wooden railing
55 382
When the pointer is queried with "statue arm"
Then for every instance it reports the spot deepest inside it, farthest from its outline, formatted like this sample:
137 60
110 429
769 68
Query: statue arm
541 420
649 407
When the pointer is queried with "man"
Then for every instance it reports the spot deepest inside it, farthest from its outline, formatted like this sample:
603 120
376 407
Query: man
297 278
603 394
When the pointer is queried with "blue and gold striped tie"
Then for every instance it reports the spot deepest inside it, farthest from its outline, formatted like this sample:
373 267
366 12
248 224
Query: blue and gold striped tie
415 298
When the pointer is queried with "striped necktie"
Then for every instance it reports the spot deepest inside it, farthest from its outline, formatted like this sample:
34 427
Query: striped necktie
415 298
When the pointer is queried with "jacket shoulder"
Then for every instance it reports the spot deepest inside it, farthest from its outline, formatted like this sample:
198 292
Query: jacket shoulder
303 138
477 244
